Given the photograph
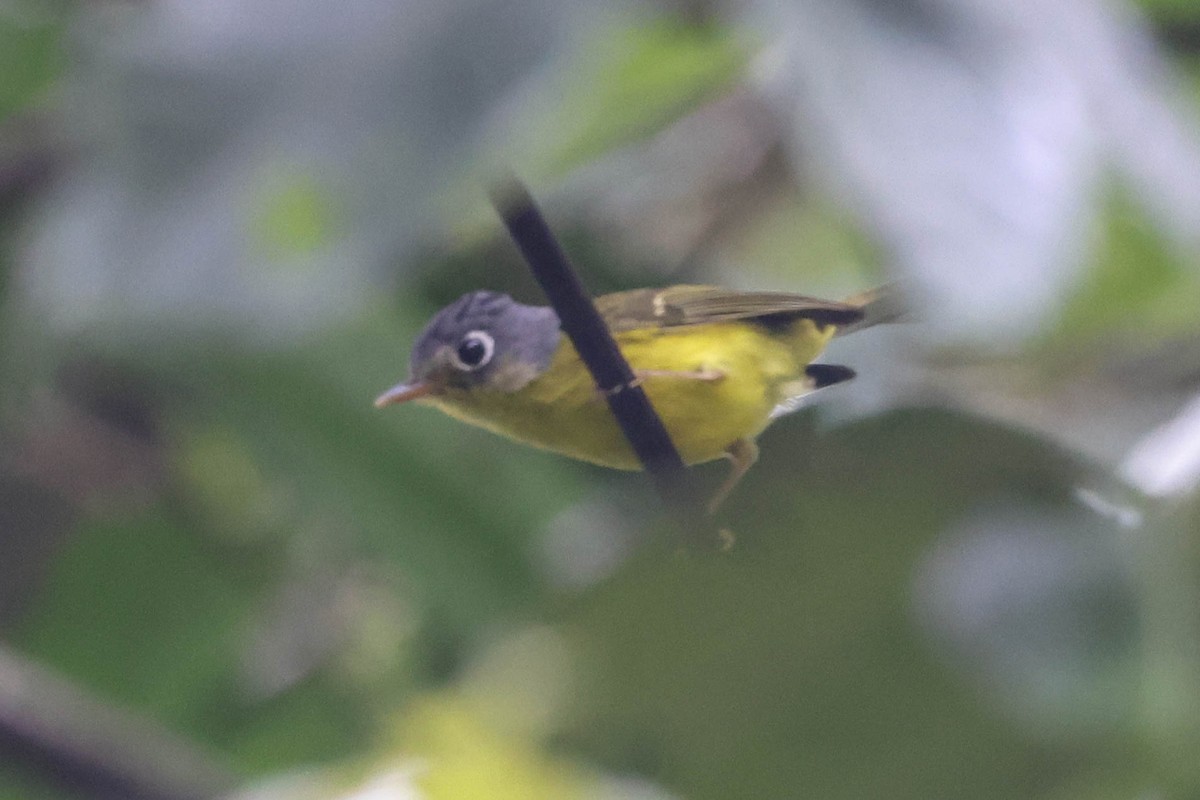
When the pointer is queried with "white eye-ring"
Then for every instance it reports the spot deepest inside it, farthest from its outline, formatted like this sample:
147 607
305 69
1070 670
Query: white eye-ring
473 351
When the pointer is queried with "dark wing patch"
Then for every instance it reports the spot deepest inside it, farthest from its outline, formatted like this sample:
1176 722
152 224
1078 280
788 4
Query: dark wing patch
823 375
695 305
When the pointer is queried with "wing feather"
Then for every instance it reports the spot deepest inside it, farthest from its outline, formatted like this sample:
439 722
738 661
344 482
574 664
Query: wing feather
695 305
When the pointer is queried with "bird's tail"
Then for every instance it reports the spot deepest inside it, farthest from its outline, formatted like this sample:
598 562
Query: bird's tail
880 305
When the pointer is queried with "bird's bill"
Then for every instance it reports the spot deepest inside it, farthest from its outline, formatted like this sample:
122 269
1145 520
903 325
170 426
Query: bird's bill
403 392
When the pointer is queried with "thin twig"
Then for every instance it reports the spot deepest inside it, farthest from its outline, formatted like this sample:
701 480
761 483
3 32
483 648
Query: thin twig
582 323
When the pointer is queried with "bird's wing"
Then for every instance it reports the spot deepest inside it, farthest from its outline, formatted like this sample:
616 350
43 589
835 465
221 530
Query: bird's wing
694 305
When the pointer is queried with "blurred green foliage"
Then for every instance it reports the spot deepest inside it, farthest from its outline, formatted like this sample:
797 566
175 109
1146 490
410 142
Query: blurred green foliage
296 216
627 82
1177 9
302 576
31 57
1138 292
793 664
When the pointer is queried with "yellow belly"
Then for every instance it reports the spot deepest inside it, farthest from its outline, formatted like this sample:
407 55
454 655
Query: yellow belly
561 410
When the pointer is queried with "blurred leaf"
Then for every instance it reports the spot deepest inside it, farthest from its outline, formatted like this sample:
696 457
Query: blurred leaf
791 667
630 81
139 611
1038 603
1139 291
466 758
136 609
317 722
1169 572
229 486
803 241
20 784
31 58
296 216
1171 9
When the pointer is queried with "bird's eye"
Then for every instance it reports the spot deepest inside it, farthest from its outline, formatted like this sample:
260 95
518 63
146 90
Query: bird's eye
474 351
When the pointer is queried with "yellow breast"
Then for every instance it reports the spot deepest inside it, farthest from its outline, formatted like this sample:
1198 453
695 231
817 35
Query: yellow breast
561 410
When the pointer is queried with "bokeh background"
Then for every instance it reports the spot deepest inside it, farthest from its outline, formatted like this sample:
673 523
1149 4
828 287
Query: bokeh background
973 572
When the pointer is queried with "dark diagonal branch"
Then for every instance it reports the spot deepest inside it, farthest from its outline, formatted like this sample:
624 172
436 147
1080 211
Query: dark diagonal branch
92 749
596 347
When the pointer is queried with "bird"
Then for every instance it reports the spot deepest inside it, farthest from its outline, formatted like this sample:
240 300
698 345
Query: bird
718 366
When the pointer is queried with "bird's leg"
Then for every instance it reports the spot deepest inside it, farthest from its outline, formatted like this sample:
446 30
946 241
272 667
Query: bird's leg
742 453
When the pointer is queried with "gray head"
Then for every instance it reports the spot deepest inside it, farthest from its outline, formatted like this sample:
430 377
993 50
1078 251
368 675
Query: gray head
482 339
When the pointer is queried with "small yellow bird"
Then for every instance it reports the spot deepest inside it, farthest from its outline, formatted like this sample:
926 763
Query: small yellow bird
717 365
